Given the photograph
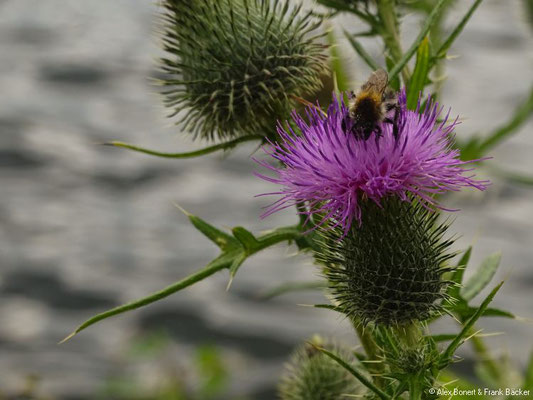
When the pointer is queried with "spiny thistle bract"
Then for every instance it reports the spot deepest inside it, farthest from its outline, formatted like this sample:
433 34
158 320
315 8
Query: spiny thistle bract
413 357
389 269
233 65
312 375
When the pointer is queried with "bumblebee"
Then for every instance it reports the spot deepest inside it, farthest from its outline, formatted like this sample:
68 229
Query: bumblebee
371 106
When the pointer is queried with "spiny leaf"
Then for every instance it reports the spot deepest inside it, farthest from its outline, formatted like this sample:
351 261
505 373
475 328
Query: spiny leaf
446 356
457 277
246 238
234 267
361 51
220 238
481 277
232 256
458 29
216 265
416 44
420 75
360 376
329 307
520 116
489 312
191 154
443 337
514 177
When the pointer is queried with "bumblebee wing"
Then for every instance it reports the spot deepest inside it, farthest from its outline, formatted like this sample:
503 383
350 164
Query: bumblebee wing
378 81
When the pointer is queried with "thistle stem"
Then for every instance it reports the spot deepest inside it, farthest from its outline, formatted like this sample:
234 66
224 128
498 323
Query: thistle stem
390 32
415 392
372 351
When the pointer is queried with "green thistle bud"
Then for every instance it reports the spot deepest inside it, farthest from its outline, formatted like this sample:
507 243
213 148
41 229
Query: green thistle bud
389 269
233 65
312 375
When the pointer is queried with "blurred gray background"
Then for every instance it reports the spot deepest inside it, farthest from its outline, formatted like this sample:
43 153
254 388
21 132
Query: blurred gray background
85 227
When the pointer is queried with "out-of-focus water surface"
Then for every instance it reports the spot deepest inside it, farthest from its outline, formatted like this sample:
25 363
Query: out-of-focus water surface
85 227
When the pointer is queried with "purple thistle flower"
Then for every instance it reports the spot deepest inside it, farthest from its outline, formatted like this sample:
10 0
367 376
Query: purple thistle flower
333 171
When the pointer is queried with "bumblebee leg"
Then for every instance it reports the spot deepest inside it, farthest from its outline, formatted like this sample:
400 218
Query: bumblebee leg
354 131
390 121
378 131
395 130
366 133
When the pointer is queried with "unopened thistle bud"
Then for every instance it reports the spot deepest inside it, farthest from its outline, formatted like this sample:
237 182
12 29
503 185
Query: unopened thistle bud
233 65
312 375
389 268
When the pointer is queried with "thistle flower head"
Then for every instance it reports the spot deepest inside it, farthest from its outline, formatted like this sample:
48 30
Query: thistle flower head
334 171
233 65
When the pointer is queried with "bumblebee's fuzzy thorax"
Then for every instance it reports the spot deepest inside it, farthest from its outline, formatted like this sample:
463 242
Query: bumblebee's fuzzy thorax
367 108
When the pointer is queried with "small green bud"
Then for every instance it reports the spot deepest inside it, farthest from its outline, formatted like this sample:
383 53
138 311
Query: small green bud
234 65
389 269
312 375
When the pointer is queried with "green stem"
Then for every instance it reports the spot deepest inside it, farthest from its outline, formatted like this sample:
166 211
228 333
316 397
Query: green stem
367 342
390 32
190 154
277 236
361 51
415 392
373 353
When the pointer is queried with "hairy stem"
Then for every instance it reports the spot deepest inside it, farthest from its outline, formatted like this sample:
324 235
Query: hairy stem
373 353
415 391
390 32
